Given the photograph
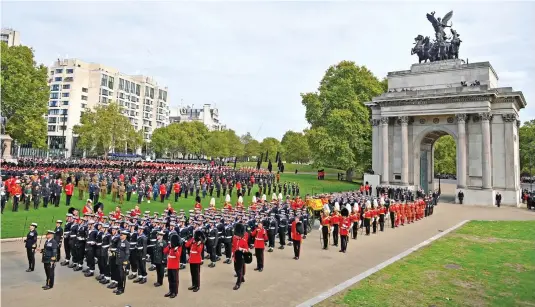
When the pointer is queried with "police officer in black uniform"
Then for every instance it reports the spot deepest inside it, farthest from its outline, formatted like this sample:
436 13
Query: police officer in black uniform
31 244
49 252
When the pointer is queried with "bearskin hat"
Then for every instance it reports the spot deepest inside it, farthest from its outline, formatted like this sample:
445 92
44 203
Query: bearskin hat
257 194
71 210
198 199
176 241
239 230
345 212
199 236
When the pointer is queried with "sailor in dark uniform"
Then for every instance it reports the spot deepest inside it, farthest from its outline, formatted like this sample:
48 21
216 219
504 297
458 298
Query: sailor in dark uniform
66 240
31 244
141 246
90 246
283 226
159 258
49 251
272 231
58 235
123 254
112 258
211 241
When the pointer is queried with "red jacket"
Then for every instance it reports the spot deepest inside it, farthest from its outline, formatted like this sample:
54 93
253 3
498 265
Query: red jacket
173 256
335 219
87 210
260 238
176 187
295 235
16 190
163 189
237 243
198 206
69 188
344 226
195 251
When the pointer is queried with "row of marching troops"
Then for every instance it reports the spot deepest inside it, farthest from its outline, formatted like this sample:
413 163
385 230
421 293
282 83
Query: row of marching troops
121 246
358 212
46 185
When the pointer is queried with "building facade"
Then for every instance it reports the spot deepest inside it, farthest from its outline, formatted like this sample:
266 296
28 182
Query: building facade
10 37
77 86
208 115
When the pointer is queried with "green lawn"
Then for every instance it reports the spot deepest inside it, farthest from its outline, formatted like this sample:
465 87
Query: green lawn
290 168
482 264
13 223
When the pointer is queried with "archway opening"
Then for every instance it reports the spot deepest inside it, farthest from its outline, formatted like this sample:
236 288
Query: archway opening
438 165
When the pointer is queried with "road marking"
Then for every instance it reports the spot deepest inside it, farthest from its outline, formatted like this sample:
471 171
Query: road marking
348 283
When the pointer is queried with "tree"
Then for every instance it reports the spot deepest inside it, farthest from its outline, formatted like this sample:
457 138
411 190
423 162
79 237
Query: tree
25 94
445 155
181 138
236 147
105 129
340 132
251 146
271 145
218 144
295 147
526 135
160 140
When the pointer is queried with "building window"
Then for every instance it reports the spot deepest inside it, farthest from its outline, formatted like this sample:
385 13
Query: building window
138 89
57 79
68 79
52 120
64 112
121 84
104 81
110 82
84 89
84 97
164 95
132 87
70 71
54 87
66 86
54 95
51 128
62 128
53 112
53 104
64 94
65 102
51 72
59 71
104 92
84 105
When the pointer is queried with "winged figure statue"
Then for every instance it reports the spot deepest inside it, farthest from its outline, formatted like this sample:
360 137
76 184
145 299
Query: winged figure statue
440 24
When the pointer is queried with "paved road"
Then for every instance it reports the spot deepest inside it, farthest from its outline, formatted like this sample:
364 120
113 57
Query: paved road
284 282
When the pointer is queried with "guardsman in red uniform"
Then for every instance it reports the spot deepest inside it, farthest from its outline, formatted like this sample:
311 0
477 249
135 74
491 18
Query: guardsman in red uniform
260 237
176 189
375 216
398 213
354 217
239 247
325 228
198 203
345 224
69 189
367 220
382 213
196 247
335 223
16 191
173 252
163 191
296 238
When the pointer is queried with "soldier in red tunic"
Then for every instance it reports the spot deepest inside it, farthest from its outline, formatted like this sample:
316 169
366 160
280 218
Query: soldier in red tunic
260 237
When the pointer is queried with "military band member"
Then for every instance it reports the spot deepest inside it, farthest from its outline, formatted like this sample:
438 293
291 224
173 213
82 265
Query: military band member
58 235
173 251
158 258
297 232
134 255
345 224
240 246
49 252
392 211
367 220
355 220
31 244
141 247
196 246
335 223
123 254
260 235
325 228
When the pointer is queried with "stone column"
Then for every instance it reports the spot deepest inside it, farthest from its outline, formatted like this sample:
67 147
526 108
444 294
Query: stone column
404 150
486 152
386 171
461 145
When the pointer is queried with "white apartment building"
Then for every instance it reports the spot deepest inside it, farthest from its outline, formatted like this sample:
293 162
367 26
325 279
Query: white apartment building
208 115
76 86
10 36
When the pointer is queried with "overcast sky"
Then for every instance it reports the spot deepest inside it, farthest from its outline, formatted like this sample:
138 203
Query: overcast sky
254 59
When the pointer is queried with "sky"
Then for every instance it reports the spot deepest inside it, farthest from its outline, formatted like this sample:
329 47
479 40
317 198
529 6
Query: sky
253 59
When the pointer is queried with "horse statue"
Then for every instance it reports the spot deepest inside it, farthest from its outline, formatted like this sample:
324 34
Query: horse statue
418 49
455 44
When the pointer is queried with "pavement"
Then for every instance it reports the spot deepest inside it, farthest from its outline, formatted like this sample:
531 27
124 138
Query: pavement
284 281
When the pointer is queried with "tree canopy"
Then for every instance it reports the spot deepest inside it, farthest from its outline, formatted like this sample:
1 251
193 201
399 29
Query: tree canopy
295 147
105 129
251 146
445 156
25 93
180 138
271 146
526 135
340 132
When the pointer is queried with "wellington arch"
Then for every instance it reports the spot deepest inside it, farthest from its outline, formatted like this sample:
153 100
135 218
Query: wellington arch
454 98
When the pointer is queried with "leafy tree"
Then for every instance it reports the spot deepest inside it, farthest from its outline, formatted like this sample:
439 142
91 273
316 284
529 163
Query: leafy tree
250 145
25 94
340 132
236 147
160 140
181 138
106 129
218 144
445 155
295 147
526 135
271 145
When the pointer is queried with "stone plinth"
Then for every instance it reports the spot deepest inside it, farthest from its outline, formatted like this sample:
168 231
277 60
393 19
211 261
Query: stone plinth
6 150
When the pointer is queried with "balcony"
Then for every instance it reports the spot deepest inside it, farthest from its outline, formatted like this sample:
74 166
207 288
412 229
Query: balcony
68 79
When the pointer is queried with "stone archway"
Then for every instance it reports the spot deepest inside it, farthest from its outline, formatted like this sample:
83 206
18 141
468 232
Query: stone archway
433 99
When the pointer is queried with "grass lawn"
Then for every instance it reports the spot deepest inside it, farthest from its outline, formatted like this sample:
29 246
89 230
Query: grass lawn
481 264
290 168
13 223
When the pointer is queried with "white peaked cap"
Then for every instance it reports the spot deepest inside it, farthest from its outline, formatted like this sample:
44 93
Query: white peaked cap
240 200
212 202
254 199
274 196
280 196
375 202
382 200
368 204
264 197
227 198
336 206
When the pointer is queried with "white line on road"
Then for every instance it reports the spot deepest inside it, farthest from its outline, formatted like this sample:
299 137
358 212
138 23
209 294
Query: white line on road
348 283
